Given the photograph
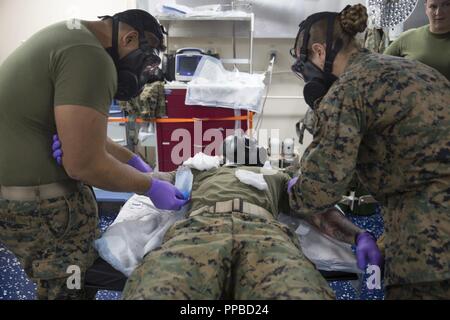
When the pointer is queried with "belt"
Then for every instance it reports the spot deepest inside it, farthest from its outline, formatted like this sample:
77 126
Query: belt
42 192
235 205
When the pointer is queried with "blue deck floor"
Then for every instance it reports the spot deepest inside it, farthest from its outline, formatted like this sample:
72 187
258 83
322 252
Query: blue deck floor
15 285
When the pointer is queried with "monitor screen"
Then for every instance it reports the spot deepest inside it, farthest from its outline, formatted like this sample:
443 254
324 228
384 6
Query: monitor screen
188 64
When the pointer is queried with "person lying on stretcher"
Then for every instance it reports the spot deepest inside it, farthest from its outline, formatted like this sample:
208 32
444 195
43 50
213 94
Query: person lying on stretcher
231 246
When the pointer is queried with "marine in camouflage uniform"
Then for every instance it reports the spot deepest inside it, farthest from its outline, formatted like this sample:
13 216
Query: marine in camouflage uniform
49 236
229 252
55 229
388 119
150 104
375 40
361 204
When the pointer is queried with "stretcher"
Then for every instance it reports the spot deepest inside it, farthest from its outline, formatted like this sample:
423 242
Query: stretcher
102 276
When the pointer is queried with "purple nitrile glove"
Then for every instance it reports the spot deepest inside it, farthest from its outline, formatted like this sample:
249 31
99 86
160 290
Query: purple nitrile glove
57 151
291 184
166 196
367 252
139 164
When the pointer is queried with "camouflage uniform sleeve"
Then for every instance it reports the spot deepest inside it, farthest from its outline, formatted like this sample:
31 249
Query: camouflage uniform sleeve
328 164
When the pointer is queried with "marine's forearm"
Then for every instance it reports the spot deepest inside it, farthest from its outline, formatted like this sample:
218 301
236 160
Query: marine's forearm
117 151
106 172
334 224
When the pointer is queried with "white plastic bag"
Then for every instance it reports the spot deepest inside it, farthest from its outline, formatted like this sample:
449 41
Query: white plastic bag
326 253
140 228
183 181
214 86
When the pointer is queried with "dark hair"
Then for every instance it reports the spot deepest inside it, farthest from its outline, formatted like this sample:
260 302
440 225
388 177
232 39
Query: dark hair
349 22
142 21
354 19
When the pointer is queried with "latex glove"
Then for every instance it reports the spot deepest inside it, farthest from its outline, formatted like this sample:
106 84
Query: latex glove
57 151
291 184
139 164
367 252
166 196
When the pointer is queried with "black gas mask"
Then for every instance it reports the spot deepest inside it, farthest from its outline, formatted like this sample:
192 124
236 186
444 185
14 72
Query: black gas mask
317 82
141 65
243 150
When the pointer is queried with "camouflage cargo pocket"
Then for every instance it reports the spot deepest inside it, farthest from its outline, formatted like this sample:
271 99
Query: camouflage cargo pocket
57 215
50 269
287 232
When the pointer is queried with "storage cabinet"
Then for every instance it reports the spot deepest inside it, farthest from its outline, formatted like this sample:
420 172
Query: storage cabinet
188 130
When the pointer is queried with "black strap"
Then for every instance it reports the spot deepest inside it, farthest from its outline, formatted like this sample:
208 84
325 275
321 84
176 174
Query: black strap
306 36
336 48
329 60
115 36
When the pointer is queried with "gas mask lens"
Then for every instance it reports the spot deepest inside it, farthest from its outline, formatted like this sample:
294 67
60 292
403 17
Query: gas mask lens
296 68
293 53
151 63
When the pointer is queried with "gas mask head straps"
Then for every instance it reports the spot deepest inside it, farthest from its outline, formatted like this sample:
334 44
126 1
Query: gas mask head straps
138 67
331 51
134 18
115 40
317 82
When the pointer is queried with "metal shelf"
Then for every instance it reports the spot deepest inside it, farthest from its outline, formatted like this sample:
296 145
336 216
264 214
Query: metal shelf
169 20
247 17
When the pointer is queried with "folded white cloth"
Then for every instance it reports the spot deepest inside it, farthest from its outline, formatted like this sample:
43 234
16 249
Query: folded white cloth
202 162
251 178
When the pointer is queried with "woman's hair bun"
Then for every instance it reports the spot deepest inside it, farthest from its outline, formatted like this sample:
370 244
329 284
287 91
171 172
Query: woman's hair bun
354 19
